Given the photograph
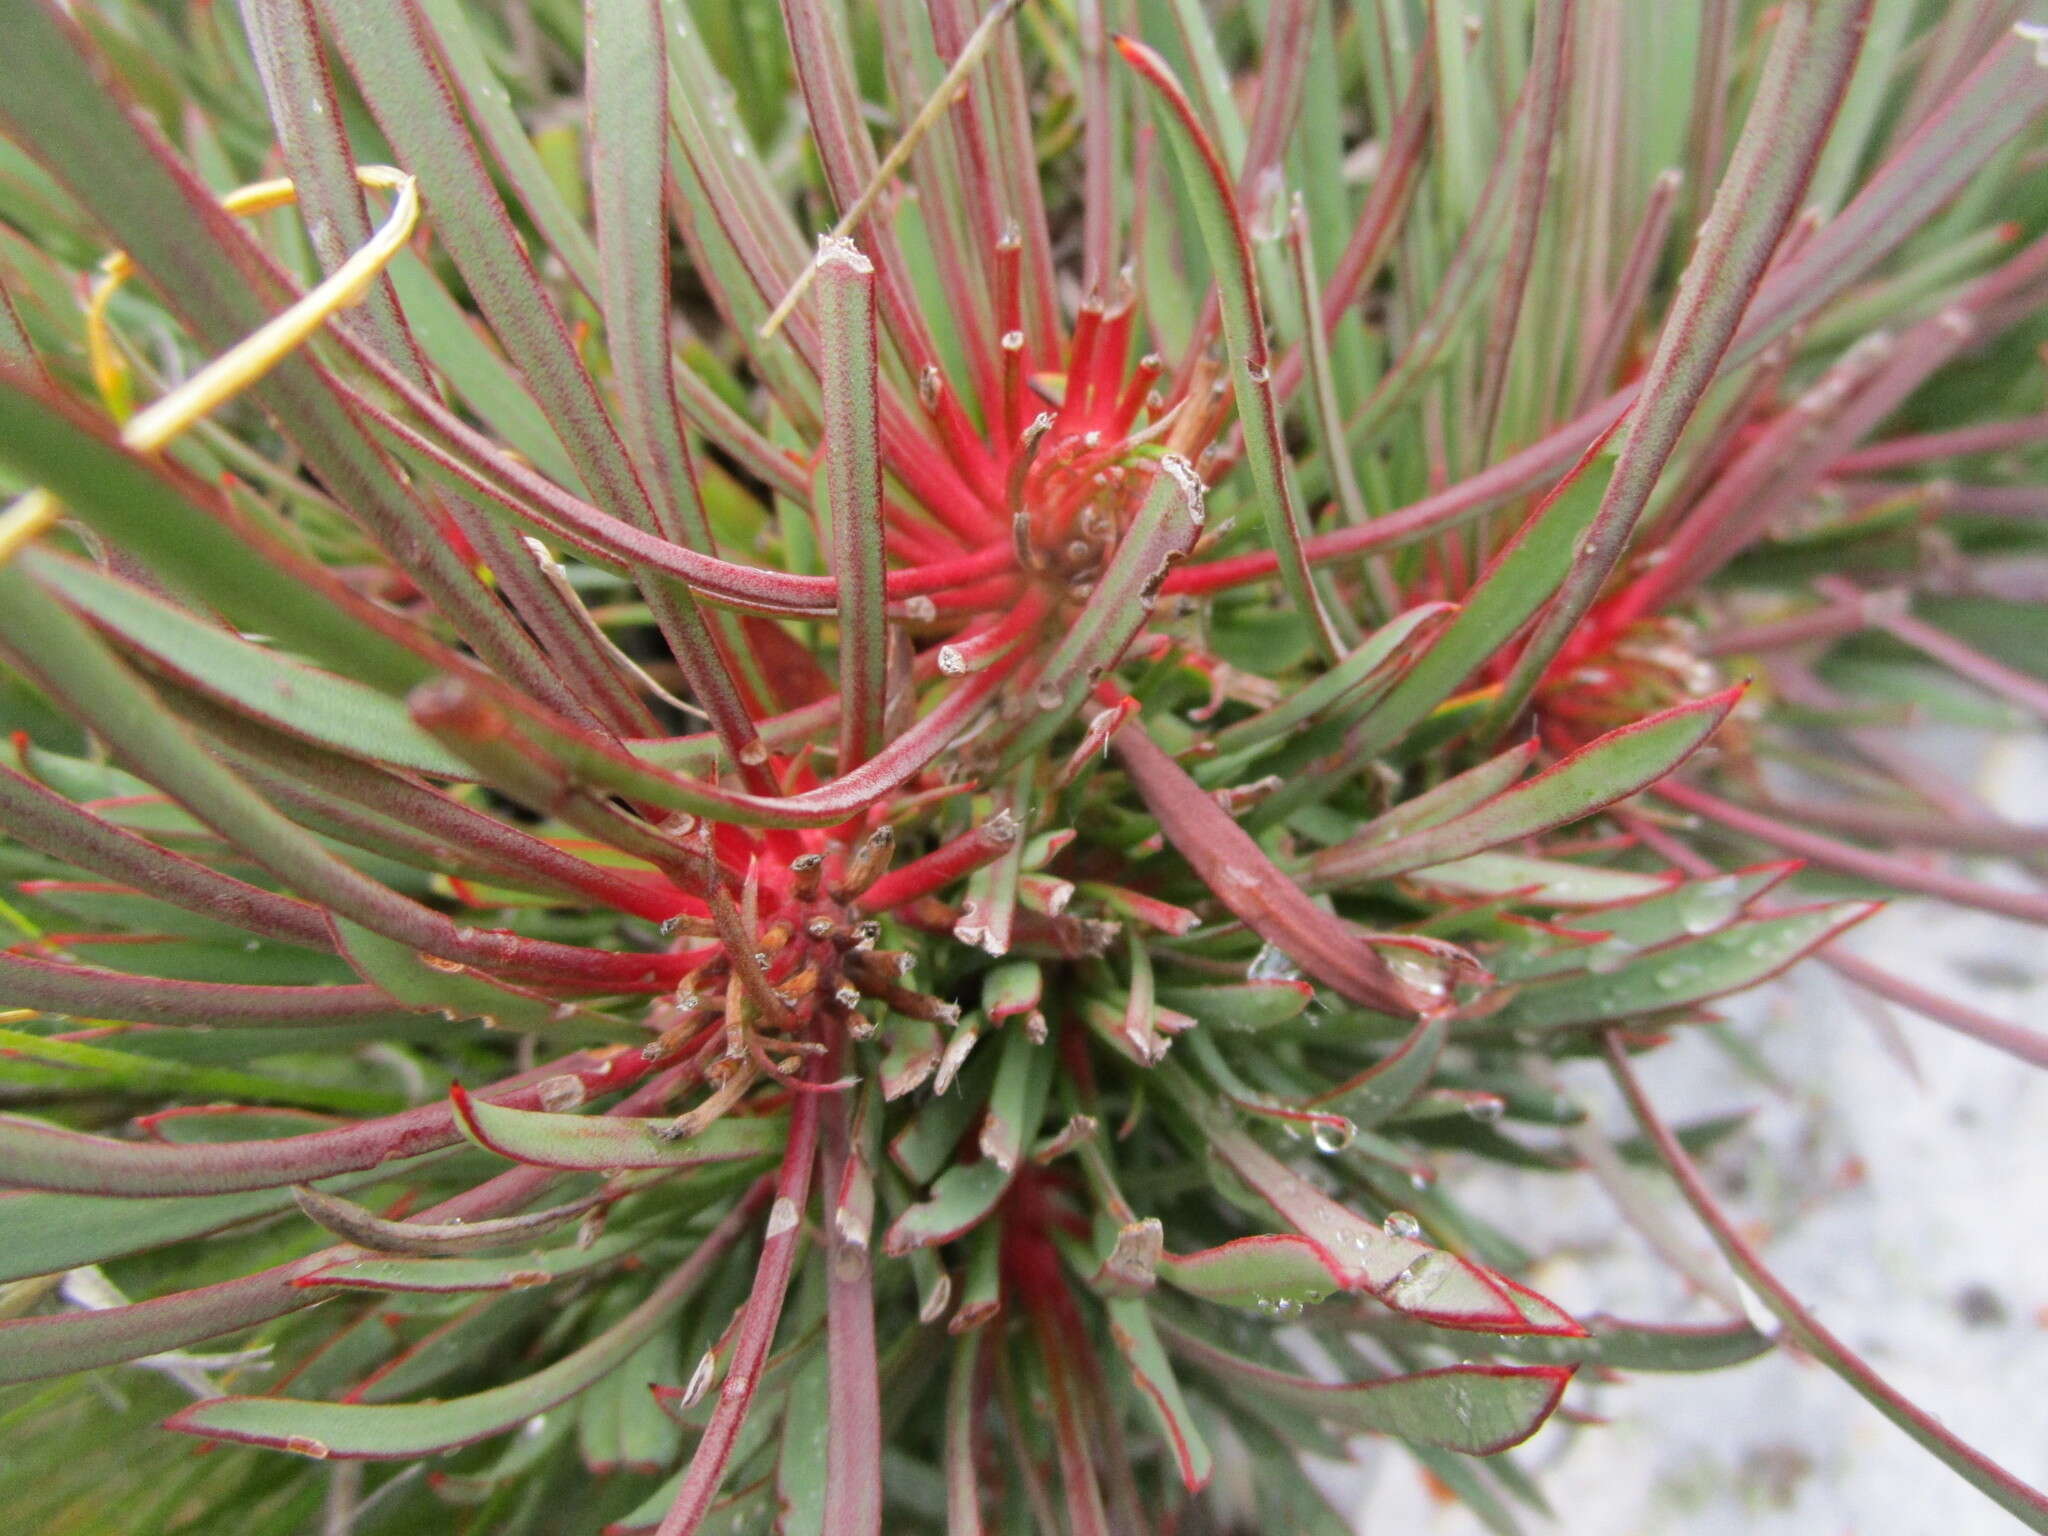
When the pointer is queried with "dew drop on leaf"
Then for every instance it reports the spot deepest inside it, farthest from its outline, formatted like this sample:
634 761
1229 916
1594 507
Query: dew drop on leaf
1609 956
1706 905
1334 1136
1416 1284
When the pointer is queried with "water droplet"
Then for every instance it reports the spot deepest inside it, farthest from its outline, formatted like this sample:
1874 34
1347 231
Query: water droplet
1401 1224
1486 1107
1416 1284
1334 1135
1705 905
1421 975
738 1387
781 1217
1677 975
1609 956
1279 1308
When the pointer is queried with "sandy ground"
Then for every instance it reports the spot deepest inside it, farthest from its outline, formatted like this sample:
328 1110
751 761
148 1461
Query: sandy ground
1908 1205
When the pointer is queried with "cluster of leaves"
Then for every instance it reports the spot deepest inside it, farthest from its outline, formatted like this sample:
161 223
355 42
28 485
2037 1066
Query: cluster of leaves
824 796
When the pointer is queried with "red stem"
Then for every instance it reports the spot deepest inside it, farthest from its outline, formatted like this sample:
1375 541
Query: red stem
1986 1475
939 868
1851 860
1904 452
763 1311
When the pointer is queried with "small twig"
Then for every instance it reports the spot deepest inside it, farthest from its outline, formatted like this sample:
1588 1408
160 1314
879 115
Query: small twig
955 81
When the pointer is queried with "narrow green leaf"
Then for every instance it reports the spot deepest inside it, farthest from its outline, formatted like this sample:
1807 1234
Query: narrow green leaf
1247 1006
1390 1084
1477 1409
1262 1272
966 1192
1605 770
510 1272
191 537
312 136
1208 186
1368 668
627 87
603 1143
43 1233
1010 988
95 1068
447 31
1625 1346
1694 907
1408 1275
1130 1325
1812 56
412 1239
91 137
853 491
387 1431
1542 882
287 694
1517 582
1677 975
455 991
1454 797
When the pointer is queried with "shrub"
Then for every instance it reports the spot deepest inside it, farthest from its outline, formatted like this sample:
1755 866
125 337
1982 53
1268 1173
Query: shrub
663 882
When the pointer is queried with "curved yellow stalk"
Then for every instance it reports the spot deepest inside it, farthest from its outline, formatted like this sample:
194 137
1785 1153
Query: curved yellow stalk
242 364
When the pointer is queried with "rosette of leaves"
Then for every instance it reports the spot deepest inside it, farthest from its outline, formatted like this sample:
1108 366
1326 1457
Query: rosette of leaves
818 798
